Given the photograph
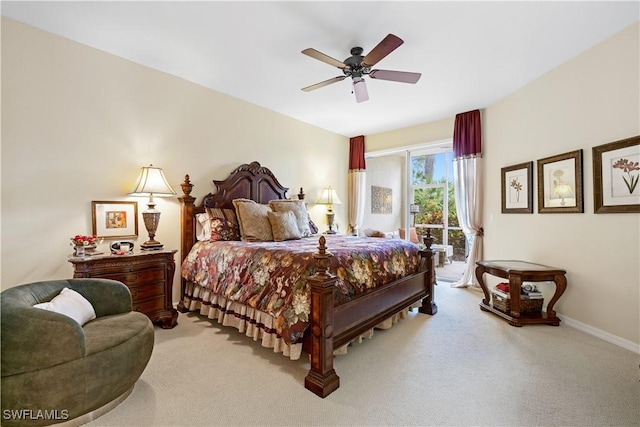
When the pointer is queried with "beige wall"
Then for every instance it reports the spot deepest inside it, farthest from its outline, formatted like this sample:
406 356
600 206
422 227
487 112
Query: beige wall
77 125
588 101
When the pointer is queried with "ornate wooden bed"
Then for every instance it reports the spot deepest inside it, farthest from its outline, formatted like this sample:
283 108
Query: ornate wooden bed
332 323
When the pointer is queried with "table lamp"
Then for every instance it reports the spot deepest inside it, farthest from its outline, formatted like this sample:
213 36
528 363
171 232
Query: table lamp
151 182
329 198
414 209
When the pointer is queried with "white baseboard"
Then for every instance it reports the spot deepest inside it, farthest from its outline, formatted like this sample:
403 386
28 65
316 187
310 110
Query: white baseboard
614 339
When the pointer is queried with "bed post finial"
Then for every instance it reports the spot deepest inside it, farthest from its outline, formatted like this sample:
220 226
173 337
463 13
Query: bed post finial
323 259
187 186
301 194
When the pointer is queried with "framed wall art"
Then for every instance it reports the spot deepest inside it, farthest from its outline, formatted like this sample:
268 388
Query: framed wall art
517 188
381 200
114 219
560 183
616 172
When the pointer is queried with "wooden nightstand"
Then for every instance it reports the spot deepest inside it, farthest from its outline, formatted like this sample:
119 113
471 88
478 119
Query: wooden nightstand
149 276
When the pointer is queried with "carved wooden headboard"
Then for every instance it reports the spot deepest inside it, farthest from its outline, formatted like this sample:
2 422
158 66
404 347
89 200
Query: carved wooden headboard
247 181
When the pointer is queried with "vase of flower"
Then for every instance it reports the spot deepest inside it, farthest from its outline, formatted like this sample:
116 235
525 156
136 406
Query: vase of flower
80 244
79 250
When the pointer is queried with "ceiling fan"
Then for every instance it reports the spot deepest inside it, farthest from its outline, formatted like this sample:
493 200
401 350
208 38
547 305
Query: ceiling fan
357 66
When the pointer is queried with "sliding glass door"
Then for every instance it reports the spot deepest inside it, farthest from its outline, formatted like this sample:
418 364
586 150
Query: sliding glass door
419 181
433 207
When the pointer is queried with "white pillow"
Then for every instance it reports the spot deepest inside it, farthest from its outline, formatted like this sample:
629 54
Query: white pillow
203 226
71 304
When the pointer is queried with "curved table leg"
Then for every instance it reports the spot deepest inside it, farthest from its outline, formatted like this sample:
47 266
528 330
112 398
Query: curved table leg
480 277
561 284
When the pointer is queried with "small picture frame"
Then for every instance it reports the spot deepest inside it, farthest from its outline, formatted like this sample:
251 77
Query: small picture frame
616 172
517 188
560 183
112 220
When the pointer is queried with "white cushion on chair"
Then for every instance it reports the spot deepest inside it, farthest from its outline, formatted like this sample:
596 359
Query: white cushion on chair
71 304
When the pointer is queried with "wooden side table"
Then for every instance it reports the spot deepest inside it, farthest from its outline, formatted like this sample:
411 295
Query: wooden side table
148 274
517 272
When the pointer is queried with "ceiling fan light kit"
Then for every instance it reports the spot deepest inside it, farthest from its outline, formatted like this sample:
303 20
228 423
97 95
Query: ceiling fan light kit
357 66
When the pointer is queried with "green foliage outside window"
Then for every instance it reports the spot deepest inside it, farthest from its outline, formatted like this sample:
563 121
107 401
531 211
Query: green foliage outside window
431 201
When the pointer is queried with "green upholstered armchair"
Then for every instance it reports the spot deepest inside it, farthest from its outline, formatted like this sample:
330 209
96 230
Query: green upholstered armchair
55 370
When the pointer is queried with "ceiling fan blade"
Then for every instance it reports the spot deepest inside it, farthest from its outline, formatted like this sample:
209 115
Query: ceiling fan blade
324 83
384 48
324 58
395 76
360 90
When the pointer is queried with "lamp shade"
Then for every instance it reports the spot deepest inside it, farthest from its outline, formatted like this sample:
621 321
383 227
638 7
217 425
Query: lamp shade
151 181
329 197
414 208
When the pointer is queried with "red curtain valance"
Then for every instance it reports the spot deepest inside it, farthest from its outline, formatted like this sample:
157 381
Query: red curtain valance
356 153
467 136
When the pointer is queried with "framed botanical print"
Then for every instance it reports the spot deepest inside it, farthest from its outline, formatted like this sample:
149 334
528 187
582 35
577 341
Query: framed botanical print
616 172
114 219
517 188
560 183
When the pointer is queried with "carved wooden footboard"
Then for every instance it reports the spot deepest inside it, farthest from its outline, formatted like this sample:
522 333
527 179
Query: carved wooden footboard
331 324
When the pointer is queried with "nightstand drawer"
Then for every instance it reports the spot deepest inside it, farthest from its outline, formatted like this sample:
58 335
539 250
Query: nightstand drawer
135 278
149 305
149 290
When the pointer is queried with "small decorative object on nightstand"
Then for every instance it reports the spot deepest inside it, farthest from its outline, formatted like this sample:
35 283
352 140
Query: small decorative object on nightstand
148 274
329 198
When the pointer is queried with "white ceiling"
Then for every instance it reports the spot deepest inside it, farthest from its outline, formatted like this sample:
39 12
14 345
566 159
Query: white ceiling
470 54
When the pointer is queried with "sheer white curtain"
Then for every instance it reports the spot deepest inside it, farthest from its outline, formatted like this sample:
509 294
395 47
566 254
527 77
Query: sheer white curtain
468 185
356 184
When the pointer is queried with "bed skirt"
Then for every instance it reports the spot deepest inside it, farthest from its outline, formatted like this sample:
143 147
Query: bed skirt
259 325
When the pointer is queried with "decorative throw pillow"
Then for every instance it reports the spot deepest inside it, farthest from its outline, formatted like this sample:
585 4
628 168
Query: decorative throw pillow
227 214
203 226
222 229
284 226
373 233
299 210
413 236
312 226
71 304
253 220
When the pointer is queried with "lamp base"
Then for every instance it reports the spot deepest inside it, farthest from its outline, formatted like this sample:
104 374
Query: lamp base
151 218
151 245
330 232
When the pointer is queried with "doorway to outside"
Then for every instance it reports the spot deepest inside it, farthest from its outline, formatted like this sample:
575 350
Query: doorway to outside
419 181
433 210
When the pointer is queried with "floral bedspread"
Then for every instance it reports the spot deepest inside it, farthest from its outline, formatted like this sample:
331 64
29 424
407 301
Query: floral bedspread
272 276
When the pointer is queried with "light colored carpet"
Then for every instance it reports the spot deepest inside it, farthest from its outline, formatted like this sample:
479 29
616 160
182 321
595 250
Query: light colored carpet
461 367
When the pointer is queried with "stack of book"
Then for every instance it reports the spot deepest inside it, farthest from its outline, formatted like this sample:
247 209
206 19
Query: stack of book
502 289
530 292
